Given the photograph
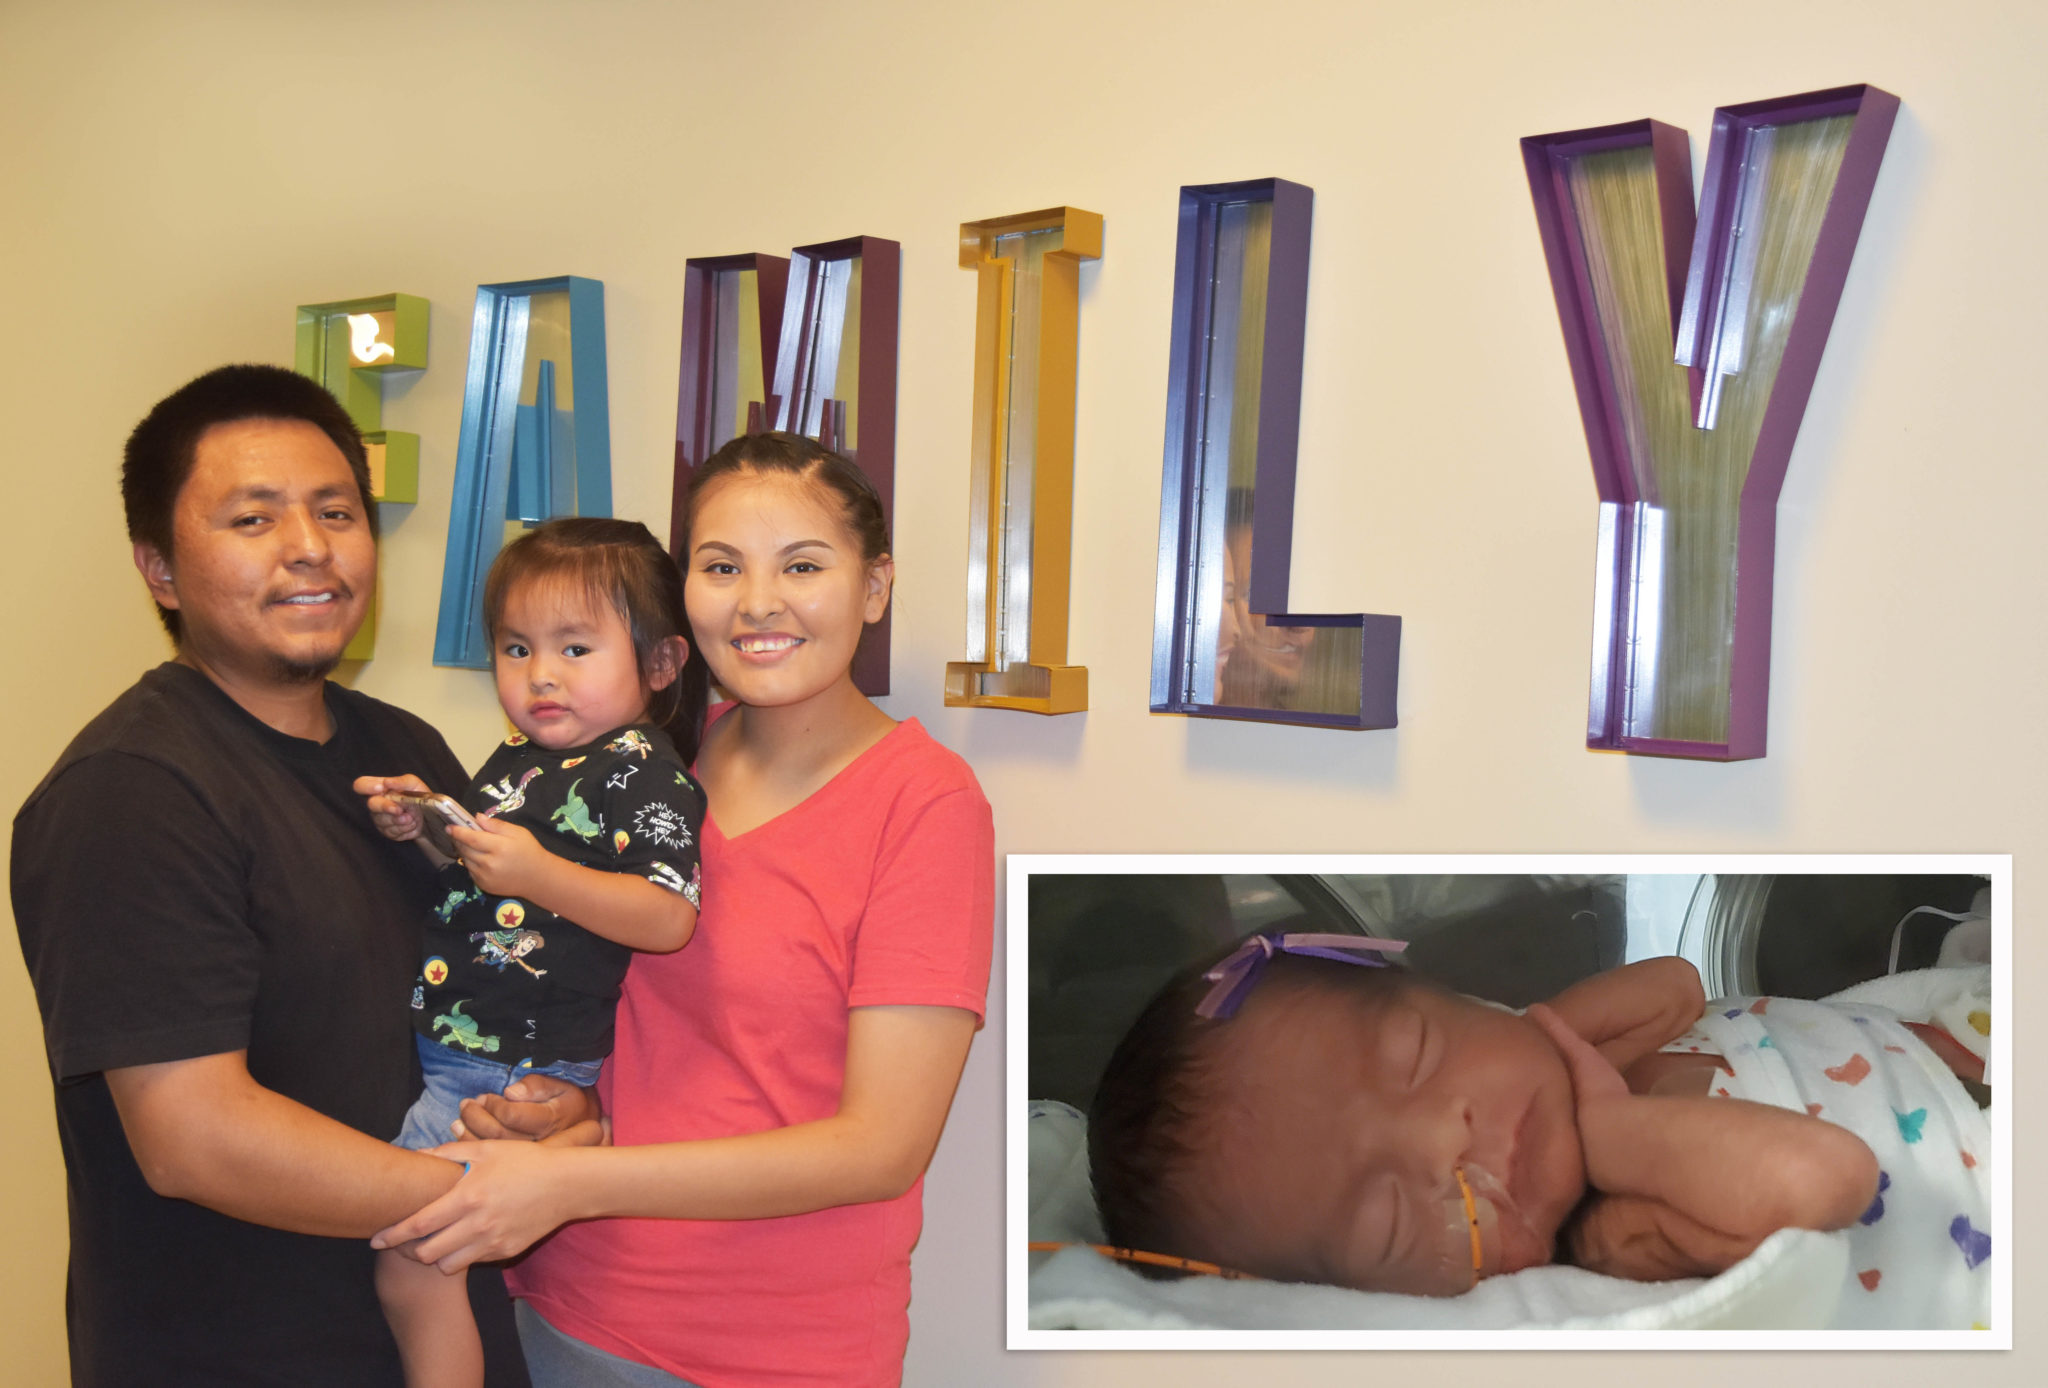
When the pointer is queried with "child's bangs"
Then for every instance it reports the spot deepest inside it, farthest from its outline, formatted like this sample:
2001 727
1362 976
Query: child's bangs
591 581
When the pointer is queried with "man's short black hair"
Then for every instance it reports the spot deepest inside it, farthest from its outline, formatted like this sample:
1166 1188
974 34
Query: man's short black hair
164 446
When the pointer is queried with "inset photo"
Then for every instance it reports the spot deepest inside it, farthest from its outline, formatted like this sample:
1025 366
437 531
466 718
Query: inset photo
1509 1102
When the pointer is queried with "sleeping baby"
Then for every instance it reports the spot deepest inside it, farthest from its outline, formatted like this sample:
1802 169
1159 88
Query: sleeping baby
1292 1115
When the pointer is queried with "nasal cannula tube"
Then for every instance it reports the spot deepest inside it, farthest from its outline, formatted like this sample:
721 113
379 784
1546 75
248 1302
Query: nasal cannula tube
1471 1219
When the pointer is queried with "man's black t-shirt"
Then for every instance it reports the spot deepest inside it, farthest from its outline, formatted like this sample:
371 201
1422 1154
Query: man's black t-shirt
189 881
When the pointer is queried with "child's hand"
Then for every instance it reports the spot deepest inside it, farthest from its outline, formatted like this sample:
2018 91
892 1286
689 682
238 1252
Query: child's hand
394 820
503 859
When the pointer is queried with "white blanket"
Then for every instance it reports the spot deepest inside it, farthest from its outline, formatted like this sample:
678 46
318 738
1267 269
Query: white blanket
1789 1283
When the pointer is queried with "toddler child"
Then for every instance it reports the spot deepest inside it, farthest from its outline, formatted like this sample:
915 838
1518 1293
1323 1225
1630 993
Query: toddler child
1291 1115
585 849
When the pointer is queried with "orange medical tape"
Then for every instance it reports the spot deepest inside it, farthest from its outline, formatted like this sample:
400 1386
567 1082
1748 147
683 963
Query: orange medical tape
1139 1255
1472 1219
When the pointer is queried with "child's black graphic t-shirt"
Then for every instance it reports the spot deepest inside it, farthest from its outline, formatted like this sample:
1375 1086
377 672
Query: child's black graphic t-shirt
508 980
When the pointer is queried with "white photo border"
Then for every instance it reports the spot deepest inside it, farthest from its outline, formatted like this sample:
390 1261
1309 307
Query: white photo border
1021 867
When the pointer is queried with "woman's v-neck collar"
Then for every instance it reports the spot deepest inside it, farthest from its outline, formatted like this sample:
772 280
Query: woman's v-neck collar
839 777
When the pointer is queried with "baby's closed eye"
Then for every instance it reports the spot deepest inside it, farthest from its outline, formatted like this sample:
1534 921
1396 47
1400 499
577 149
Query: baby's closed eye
1403 1048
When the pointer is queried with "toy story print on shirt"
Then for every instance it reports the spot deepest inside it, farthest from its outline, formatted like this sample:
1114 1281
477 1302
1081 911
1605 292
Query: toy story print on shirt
572 816
462 1031
502 947
504 797
504 972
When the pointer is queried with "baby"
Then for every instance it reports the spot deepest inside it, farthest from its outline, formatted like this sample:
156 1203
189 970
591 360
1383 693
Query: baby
1294 1116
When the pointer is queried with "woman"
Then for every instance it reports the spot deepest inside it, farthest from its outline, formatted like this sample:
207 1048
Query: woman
778 1086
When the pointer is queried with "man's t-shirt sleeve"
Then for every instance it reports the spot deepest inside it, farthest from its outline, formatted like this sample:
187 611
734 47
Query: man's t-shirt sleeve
928 930
131 898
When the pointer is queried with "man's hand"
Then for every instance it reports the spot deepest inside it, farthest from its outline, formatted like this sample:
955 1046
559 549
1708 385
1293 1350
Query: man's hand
504 859
538 1108
394 819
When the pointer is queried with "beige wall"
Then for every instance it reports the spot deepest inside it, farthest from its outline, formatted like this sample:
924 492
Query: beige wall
173 179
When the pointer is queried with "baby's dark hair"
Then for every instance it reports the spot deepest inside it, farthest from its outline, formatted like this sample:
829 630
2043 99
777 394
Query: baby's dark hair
1156 1110
618 564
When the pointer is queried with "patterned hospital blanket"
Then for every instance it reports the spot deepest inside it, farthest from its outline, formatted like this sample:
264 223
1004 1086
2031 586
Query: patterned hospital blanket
1920 1257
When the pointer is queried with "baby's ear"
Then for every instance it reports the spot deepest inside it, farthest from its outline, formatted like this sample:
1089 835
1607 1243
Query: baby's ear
666 661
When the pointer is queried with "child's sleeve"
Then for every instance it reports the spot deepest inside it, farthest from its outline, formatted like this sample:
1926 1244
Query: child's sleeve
653 817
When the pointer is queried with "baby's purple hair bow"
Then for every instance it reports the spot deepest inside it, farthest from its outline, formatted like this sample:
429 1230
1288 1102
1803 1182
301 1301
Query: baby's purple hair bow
1235 976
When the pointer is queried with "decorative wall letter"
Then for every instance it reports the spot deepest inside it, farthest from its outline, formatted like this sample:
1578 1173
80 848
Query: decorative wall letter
1693 348
348 346
732 324
536 438
1223 642
1020 520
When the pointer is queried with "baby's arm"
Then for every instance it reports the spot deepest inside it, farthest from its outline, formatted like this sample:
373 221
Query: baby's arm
1691 1186
394 819
505 859
1627 1013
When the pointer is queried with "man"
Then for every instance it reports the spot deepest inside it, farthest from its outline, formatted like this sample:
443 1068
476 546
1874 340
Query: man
223 946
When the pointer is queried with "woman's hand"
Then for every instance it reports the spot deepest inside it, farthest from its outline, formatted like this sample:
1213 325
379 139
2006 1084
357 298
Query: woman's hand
394 820
507 1201
503 859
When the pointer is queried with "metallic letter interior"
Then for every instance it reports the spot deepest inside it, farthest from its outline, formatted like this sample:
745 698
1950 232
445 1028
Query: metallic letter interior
1020 520
1224 644
834 374
536 438
1693 347
348 346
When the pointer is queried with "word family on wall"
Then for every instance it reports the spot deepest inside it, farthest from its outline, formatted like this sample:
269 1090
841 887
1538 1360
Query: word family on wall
1693 333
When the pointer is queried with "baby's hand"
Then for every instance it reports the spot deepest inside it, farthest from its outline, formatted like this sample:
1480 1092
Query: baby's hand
394 819
1594 1080
503 859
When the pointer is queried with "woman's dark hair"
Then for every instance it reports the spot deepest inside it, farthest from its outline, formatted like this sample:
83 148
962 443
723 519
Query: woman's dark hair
860 506
1155 1111
165 445
618 564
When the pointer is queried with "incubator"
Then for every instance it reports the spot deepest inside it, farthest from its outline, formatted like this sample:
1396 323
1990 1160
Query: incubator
1101 944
